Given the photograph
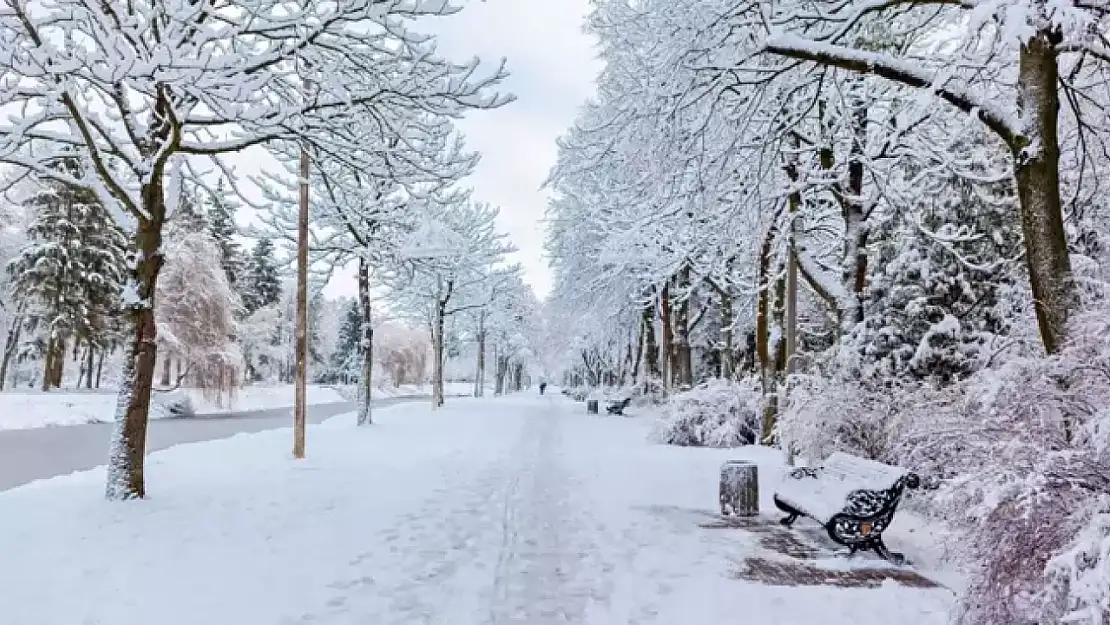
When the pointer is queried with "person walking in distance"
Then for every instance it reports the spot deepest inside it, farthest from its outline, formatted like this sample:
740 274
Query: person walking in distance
543 386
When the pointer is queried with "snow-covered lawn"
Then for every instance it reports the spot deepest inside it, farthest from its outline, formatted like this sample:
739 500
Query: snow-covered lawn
21 410
512 510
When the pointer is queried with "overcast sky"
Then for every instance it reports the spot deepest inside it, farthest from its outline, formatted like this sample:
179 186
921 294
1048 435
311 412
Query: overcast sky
553 68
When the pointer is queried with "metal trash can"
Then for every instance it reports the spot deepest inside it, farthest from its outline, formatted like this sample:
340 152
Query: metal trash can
739 492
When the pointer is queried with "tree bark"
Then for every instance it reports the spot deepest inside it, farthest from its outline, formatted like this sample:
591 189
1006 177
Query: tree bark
1037 171
99 366
480 375
53 363
128 446
668 338
12 342
651 347
366 344
89 351
683 354
639 352
502 364
726 335
59 364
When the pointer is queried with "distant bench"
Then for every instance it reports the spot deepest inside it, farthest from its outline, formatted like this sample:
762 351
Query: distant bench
617 407
853 498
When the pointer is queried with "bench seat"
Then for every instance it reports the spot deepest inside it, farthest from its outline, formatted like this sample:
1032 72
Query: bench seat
853 498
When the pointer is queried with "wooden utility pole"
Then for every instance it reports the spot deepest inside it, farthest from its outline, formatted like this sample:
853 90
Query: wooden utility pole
301 336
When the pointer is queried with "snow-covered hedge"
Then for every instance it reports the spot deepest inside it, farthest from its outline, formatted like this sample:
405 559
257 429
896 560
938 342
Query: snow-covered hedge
718 413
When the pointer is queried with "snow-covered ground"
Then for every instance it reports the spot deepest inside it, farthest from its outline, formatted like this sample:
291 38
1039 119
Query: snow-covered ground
519 509
28 409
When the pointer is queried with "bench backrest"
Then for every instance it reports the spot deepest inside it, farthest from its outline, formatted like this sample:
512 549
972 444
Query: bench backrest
861 472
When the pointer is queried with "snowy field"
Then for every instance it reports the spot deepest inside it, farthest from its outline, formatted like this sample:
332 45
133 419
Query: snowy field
21 410
513 510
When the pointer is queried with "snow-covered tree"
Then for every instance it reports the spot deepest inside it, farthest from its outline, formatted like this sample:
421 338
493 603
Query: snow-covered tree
139 90
69 275
196 309
345 363
221 206
261 286
446 268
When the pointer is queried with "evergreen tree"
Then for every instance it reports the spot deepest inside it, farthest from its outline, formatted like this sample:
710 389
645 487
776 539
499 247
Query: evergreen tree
188 216
221 217
345 363
264 285
939 292
70 273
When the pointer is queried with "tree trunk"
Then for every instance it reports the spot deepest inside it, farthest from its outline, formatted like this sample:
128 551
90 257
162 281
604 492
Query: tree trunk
651 347
366 344
11 344
856 230
53 363
480 375
1037 172
167 364
684 358
99 366
59 364
639 353
502 364
668 338
88 366
726 335
48 364
128 447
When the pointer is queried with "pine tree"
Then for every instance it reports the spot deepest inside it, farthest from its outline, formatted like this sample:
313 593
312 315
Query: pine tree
221 217
345 363
70 274
937 295
264 285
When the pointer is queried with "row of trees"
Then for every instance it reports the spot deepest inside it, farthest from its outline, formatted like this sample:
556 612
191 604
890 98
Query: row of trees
857 209
151 97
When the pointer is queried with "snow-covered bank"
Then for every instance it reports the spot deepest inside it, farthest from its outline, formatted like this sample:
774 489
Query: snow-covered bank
22 410
510 510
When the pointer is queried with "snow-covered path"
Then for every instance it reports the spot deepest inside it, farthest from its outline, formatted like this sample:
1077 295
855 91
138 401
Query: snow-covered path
514 510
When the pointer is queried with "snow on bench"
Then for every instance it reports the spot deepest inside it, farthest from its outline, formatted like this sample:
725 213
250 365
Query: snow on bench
853 498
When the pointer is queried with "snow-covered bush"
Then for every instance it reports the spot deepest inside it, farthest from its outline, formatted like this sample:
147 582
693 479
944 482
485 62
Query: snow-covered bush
1026 446
175 404
718 413
827 414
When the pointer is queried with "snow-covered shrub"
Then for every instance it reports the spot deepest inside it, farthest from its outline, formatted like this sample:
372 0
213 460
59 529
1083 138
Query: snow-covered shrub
824 415
718 413
176 404
1026 447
